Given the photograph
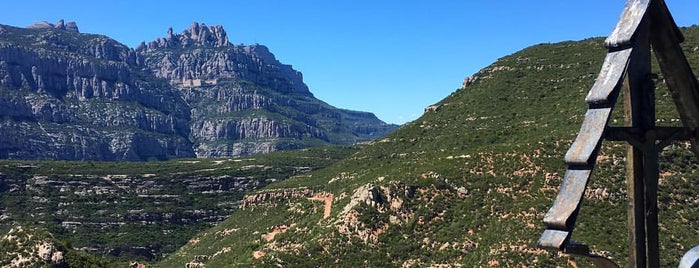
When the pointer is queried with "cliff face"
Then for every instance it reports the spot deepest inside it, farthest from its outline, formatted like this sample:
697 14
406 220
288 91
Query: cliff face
66 95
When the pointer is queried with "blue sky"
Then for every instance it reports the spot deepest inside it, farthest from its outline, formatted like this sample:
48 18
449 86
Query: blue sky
392 57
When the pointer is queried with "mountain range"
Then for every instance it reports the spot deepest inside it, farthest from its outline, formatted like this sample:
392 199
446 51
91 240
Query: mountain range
66 95
465 185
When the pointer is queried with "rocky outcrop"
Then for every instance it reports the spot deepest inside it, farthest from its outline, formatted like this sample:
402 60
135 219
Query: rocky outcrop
30 247
275 197
368 199
196 36
203 55
469 81
223 83
71 26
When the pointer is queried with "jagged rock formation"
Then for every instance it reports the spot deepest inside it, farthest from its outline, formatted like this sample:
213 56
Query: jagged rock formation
71 26
203 55
66 95
196 35
223 83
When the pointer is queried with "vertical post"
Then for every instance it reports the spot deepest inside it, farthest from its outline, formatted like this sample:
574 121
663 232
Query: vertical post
650 163
642 163
634 171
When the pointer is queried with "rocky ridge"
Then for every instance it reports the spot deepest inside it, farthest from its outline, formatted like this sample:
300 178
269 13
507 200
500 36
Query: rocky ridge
73 96
202 55
196 35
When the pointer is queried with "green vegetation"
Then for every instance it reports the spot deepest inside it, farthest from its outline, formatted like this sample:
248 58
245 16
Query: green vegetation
141 210
466 184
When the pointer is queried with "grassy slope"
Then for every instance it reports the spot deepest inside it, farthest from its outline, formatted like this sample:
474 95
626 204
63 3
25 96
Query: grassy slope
467 184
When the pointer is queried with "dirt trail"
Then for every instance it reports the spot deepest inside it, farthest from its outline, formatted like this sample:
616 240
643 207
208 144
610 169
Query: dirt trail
275 231
327 199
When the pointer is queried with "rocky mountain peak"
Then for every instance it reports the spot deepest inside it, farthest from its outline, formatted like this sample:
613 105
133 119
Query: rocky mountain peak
202 56
70 26
198 34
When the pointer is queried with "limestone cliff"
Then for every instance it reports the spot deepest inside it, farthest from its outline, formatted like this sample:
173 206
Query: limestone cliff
74 96
67 95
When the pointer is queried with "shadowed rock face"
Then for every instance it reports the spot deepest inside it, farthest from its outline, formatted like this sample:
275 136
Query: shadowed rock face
72 96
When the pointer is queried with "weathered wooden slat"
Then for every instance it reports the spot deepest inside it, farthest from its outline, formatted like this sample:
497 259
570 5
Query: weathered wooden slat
679 77
553 239
660 6
564 210
589 137
611 77
631 17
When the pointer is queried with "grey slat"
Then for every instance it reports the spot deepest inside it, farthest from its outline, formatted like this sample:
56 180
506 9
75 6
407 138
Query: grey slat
589 137
631 17
553 239
562 213
610 77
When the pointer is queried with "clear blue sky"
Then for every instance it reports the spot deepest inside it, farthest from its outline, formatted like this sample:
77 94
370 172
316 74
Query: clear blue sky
392 57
